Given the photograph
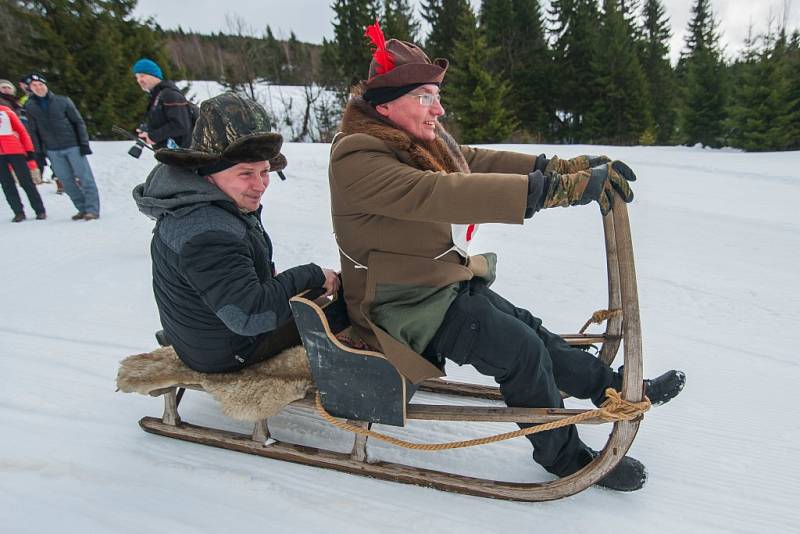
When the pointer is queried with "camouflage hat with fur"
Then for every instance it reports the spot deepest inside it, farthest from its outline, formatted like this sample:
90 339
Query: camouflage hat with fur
230 130
397 67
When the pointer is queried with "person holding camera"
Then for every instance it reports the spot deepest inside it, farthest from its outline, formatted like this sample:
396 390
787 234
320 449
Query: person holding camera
168 122
57 128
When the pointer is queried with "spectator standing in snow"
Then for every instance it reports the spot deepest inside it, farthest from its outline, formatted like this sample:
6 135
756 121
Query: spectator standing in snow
168 122
222 303
8 98
406 200
16 149
57 129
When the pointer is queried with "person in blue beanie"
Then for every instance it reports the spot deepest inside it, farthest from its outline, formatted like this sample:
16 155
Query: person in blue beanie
168 121
57 128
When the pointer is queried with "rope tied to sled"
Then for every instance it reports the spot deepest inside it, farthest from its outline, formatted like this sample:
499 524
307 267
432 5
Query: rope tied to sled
600 316
615 408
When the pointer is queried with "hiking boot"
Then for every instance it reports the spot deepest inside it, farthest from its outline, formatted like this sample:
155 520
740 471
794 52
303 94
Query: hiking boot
628 475
78 216
664 388
659 390
19 217
41 216
91 217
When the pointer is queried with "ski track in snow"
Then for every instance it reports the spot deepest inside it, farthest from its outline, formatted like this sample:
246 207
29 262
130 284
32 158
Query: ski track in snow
716 240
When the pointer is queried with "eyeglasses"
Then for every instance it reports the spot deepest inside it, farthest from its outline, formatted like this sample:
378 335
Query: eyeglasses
426 99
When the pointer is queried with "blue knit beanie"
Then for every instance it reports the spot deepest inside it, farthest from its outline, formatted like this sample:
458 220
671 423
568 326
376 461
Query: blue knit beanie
148 66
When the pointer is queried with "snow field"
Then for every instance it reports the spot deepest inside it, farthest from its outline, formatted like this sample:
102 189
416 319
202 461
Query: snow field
716 240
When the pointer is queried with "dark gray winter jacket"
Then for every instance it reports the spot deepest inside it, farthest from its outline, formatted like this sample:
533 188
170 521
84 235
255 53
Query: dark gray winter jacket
213 277
55 125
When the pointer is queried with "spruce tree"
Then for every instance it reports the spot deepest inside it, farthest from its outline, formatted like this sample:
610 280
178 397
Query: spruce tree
330 74
654 49
298 61
748 112
476 98
13 60
495 20
515 29
398 21
760 115
443 17
792 73
274 59
779 124
620 114
353 52
702 75
576 41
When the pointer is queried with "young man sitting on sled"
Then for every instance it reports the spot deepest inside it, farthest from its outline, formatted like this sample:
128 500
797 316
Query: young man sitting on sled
221 301
406 200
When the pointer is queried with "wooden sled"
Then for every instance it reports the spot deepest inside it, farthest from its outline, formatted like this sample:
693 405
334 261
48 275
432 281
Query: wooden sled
364 388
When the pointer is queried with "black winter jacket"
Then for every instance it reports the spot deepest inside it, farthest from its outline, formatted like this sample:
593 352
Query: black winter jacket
168 116
58 127
213 277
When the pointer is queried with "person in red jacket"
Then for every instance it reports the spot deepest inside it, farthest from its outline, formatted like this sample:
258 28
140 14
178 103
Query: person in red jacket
16 149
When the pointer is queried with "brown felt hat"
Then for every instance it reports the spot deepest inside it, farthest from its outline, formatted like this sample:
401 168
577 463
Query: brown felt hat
412 66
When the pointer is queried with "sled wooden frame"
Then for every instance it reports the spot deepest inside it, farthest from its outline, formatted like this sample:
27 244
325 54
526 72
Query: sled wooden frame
622 292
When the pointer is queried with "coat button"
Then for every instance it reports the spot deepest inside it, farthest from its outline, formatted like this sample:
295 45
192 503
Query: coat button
473 326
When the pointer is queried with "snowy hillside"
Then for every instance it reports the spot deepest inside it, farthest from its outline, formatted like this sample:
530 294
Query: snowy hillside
717 243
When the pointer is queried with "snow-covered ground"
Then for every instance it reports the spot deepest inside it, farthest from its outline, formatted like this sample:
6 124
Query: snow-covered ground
717 244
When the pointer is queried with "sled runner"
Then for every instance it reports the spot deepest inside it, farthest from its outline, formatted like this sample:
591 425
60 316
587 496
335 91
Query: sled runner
361 388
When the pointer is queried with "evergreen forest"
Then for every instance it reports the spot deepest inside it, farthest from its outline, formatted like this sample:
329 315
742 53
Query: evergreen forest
561 71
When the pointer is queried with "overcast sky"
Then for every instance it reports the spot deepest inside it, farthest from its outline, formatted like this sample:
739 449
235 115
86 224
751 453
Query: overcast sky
311 20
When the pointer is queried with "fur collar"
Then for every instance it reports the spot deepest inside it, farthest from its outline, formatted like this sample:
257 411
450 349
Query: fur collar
441 154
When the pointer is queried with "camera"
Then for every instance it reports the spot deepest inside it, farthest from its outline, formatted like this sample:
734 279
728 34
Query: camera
136 150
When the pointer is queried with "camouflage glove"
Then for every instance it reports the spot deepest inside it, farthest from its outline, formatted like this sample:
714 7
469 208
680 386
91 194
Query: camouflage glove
569 166
601 183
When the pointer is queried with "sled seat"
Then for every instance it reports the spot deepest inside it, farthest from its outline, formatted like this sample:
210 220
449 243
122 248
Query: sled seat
251 394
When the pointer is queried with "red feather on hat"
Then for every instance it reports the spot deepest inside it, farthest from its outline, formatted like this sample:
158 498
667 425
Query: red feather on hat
381 56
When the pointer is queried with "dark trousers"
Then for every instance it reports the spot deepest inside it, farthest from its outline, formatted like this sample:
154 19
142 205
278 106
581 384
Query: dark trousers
19 164
272 343
529 363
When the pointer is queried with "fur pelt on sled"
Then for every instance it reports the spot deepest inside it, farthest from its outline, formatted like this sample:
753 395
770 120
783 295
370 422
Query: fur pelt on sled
252 394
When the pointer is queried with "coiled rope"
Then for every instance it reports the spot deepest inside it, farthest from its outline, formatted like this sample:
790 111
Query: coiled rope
615 408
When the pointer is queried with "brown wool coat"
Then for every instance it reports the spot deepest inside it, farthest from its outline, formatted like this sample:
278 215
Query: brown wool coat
392 202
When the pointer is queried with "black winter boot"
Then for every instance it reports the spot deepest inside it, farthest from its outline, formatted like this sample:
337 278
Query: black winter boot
659 390
629 475
19 217
664 388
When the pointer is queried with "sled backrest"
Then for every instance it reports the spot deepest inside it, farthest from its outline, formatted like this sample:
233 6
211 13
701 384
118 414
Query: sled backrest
355 384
